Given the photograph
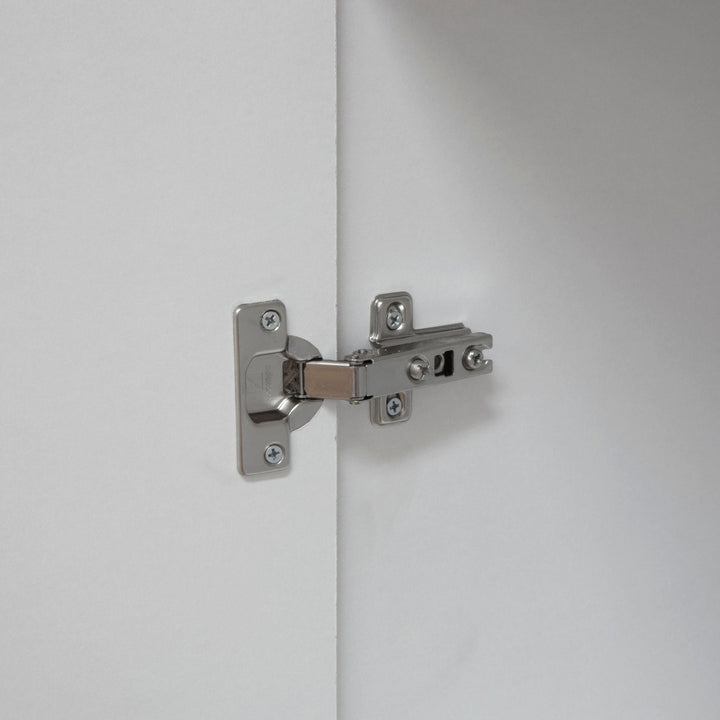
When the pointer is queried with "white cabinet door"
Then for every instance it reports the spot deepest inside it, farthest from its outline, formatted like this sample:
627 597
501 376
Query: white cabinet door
541 542
161 163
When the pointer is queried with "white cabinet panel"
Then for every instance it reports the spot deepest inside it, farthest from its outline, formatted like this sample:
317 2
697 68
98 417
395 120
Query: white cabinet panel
161 162
542 542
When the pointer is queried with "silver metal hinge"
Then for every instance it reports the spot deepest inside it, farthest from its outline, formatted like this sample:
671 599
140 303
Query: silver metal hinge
281 380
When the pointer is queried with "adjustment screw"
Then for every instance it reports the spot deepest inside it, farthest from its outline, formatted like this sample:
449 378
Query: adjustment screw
394 318
394 406
419 367
270 320
274 454
473 359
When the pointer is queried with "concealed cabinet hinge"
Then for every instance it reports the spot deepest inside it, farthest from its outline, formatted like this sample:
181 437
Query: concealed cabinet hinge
281 380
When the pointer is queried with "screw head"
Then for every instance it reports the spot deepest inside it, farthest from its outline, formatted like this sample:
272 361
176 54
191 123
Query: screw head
395 317
274 454
394 406
270 320
419 367
473 359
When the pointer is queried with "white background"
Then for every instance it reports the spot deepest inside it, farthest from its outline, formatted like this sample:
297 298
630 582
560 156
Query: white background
160 163
543 542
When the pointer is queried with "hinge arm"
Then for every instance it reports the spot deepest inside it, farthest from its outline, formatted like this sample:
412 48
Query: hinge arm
334 380
365 374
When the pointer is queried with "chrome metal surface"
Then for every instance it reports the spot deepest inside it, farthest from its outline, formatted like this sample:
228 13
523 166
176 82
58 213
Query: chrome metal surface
282 380
267 363
329 379
392 368
381 412
382 307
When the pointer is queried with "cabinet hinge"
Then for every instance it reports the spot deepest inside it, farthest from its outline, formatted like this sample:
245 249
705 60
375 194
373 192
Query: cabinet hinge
281 380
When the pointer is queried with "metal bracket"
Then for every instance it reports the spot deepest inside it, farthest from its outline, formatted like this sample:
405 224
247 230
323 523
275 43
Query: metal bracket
281 380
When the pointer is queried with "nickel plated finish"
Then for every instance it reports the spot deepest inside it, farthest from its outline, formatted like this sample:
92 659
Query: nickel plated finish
281 380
